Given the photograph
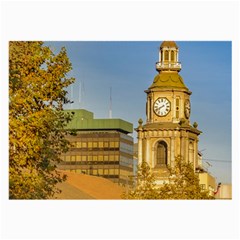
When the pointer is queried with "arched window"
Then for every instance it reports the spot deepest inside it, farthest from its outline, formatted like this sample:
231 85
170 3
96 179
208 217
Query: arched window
172 56
191 152
166 56
161 153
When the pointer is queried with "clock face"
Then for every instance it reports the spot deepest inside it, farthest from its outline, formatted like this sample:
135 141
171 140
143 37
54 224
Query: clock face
162 106
187 109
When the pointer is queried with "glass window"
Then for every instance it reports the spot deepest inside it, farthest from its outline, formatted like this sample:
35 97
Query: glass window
73 158
84 144
111 157
111 171
67 158
100 144
78 145
95 144
95 158
84 158
105 157
90 144
105 144
106 172
100 171
123 172
116 171
78 158
172 56
161 153
90 158
116 144
112 144
100 157
166 56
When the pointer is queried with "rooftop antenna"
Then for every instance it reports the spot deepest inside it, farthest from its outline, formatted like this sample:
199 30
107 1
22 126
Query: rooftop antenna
110 107
202 150
210 165
81 93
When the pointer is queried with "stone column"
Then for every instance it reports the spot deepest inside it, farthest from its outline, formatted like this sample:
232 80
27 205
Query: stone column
187 149
183 141
140 137
195 154
151 108
181 145
139 150
174 106
147 110
148 152
172 151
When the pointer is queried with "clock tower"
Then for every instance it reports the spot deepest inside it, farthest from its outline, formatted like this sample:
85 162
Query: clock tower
167 132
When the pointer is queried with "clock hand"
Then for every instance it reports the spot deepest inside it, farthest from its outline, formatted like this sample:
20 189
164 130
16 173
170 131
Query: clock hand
161 107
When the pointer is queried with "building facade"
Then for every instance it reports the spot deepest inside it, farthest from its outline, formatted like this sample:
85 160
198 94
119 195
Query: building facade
167 132
101 147
224 192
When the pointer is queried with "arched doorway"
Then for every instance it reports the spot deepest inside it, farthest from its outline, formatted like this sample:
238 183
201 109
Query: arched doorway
161 154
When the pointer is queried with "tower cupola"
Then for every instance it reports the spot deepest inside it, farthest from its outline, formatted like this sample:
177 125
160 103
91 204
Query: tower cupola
168 57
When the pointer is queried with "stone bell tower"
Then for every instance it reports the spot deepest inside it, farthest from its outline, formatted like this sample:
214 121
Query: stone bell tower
167 132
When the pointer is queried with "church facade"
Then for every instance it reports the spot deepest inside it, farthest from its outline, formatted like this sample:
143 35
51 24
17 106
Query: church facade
168 131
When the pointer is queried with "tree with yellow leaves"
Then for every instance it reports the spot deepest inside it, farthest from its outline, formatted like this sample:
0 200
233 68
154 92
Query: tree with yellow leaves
37 92
144 186
183 183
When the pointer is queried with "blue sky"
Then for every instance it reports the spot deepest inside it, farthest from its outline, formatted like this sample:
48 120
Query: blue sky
128 68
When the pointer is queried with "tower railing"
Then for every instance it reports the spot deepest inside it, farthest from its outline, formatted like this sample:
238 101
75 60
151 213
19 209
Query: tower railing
168 66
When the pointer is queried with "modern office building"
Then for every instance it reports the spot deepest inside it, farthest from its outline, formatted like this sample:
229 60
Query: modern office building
101 147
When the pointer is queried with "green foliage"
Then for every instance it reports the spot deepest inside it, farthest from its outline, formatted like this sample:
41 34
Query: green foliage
144 187
183 183
37 93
